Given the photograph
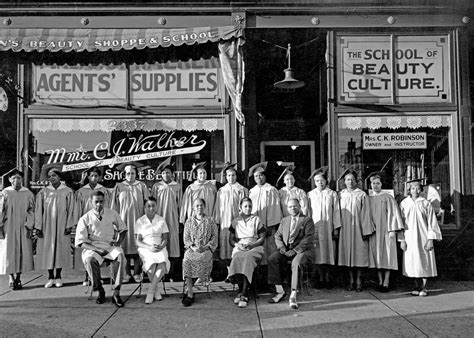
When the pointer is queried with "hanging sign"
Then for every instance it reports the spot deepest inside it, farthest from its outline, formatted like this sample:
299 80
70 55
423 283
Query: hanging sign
139 147
412 69
375 141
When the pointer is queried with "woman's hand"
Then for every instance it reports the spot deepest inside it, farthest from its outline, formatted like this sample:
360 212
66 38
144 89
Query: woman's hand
153 248
403 245
392 234
429 245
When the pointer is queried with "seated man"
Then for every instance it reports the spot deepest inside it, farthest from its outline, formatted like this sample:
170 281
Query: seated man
99 233
294 240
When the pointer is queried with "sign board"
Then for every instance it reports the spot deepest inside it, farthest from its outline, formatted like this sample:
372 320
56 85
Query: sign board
190 83
375 141
412 69
182 83
89 86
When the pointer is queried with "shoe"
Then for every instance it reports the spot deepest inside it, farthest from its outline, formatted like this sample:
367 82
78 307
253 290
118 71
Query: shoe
423 293
350 287
149 298
187 301
17 285
101 298
49 284
10 285
86 282
126 278
277 298
157 295
58 282
237 299
383 289
138 278
243 302
358 288
293 303
117 301
415 292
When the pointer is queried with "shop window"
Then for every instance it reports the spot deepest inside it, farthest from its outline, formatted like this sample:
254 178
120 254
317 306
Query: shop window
408 146
82 143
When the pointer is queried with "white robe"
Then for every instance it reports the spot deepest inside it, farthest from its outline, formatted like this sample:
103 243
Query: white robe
323 208
266 205
17 212
421 225
168 197
226 209
207 191
355 222
387 218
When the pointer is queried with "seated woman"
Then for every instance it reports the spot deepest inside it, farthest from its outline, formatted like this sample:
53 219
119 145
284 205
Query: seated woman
151 237
247 235
200 241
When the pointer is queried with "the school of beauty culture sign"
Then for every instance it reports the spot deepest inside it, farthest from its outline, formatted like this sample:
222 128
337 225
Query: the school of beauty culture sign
183 83
376 141
402 69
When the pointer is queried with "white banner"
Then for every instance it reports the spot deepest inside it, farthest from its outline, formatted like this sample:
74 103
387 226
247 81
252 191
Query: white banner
394 141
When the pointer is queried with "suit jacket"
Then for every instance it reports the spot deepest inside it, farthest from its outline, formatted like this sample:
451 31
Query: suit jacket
304 234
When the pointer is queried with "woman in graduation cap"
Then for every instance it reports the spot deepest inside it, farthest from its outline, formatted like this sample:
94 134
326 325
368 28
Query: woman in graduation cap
168 195
323 209
17 216
356 227
128 199
266 205
200 188
54 221
388 221
289 191
421 229
227 206
84 204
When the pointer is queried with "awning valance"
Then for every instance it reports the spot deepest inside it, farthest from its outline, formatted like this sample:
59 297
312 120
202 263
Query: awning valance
78 40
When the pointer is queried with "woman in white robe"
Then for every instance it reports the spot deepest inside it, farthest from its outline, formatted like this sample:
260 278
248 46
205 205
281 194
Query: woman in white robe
323 208
356 227
421 229
383 243
54 221
17 217
227 208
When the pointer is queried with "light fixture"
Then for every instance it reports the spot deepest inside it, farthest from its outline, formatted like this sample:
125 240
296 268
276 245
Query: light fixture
289 82
294 147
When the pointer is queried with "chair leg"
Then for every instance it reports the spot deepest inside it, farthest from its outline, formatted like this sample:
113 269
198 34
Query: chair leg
164 285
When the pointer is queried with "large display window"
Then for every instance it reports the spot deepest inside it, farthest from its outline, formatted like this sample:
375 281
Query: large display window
80 143
408 146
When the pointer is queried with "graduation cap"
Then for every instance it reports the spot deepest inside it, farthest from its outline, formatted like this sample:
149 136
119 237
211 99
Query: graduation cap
165 164
46 168
347 171
320 171
381 173
288 171
257 168
421 180
195 167
227 166
137 165
5 177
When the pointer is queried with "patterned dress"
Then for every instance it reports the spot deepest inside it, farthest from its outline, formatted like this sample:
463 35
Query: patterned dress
198 233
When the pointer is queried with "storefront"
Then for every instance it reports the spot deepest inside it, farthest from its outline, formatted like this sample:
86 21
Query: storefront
105 97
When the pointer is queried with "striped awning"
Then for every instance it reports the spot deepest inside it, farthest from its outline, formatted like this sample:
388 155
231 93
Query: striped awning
78 40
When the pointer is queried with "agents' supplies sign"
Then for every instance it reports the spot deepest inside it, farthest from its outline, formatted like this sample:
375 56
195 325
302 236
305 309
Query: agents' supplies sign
414 69
377 141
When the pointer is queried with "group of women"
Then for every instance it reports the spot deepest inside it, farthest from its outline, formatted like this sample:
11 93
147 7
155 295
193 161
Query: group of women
352 229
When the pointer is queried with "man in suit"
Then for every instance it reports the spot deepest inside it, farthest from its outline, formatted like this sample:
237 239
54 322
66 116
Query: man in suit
294 240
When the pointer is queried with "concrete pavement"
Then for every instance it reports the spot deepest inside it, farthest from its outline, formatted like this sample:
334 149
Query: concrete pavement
36 311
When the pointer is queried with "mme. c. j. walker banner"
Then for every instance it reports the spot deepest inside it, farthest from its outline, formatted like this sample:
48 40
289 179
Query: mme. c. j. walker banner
138 147
411 69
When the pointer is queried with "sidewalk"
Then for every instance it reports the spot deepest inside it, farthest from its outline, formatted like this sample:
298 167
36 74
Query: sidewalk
36 311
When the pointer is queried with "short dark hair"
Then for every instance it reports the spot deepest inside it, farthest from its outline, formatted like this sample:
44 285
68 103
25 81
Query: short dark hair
245 199
150 199
200 199
98 193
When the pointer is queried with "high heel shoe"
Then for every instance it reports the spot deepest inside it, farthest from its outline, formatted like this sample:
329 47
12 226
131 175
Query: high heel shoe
117 301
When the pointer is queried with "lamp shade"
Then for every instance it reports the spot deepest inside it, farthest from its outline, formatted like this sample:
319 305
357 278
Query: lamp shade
289 82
